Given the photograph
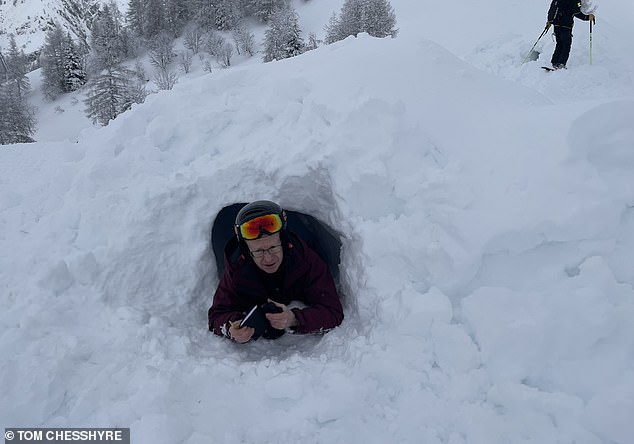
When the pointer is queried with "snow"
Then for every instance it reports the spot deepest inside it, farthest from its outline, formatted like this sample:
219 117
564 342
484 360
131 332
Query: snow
487 213
28 20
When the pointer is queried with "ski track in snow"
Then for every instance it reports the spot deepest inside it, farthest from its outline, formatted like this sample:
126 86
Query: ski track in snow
486 278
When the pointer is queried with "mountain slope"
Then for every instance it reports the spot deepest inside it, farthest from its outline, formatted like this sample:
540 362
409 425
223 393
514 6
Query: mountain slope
28 20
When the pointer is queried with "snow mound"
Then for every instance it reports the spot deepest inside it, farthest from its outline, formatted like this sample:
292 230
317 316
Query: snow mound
486 288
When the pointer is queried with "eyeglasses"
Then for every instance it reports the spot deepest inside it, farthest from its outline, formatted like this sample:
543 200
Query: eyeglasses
257 254
255 228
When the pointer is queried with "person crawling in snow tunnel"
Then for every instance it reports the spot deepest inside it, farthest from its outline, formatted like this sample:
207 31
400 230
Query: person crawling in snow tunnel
272 281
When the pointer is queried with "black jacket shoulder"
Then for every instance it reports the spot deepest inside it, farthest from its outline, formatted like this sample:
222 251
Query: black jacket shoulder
563 12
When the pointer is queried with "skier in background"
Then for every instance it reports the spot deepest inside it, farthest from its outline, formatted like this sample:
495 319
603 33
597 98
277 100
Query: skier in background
561 15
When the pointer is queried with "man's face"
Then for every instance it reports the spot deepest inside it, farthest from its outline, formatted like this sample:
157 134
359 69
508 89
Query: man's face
267 252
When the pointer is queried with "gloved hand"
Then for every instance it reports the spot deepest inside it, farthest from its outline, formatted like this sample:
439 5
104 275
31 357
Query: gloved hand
282 317
591 18
240 334
547 26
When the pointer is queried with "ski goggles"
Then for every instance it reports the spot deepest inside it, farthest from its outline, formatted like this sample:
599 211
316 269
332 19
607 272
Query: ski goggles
255 228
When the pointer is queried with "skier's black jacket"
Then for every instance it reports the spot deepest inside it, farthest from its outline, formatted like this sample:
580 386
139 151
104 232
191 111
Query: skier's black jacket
562 12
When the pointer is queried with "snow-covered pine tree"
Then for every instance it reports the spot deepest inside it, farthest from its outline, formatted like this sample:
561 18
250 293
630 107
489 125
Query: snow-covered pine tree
283 37
376 17
204 12
62 62
112 93
333 30
135 17
264 9
222 15
350 18
225 15
313 43
52 63
17 65
17 117
177 15
155 18
107 46
74 71
4 70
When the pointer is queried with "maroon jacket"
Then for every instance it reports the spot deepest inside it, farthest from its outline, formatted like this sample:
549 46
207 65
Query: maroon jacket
306 278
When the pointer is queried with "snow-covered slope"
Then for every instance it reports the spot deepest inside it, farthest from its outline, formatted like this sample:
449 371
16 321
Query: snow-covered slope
28 20
487 211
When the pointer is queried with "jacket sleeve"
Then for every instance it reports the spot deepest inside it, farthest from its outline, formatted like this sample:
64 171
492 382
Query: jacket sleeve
582 16
324 310
225 307
552 11
579 14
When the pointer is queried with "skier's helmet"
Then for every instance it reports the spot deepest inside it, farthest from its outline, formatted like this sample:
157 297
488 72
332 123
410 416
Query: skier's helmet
259 218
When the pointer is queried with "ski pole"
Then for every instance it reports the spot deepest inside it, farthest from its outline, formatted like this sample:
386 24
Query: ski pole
540 37
591 42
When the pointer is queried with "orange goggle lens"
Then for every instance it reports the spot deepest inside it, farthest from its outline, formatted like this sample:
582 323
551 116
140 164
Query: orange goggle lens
254 228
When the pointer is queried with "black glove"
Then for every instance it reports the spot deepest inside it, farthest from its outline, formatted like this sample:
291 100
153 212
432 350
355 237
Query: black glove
270 332
256 320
